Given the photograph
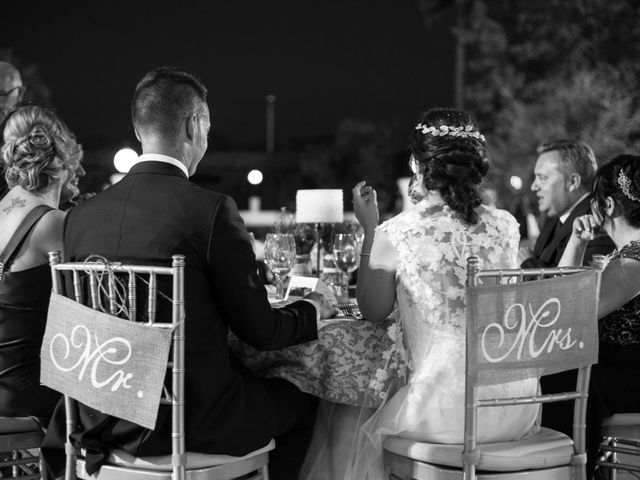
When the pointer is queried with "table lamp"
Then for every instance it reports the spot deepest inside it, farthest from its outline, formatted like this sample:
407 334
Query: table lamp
319 206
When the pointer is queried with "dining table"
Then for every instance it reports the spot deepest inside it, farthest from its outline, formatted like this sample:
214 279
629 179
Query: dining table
350 368
348 364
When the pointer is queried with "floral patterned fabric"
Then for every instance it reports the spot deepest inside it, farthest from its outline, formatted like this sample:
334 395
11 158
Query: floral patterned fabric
338 367
432 246
622 327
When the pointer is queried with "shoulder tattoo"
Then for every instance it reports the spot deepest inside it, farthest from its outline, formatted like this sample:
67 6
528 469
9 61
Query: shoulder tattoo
15 203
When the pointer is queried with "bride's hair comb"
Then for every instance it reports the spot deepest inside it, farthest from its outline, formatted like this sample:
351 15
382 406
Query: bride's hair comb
464 132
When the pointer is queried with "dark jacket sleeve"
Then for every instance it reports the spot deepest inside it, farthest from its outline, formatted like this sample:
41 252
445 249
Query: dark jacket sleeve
240 293
600 245
533 262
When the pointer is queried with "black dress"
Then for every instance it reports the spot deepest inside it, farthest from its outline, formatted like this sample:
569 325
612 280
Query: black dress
614 386
615 380
24 300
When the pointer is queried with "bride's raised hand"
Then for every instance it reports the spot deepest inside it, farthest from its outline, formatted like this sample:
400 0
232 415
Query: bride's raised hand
365 206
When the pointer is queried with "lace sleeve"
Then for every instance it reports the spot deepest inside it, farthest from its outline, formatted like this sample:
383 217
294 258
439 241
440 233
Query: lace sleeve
508 233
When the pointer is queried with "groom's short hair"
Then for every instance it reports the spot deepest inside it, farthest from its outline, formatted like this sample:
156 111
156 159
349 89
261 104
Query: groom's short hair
164 97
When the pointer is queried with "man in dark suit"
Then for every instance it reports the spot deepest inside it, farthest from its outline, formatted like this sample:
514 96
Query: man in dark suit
155 212
564 174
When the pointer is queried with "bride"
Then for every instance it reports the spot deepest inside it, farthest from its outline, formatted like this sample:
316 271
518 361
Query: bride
416 262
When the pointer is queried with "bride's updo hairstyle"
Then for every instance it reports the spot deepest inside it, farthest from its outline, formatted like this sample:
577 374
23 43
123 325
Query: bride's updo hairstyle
450 153
38 147
619 179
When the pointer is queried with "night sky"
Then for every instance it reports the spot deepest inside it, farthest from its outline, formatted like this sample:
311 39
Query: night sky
324 61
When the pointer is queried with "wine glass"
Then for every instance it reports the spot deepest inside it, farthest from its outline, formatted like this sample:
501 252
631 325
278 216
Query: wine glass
280 255
345 255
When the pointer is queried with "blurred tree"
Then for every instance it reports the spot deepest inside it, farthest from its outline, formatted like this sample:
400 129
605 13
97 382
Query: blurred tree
542 70
521 50
594 105
361 150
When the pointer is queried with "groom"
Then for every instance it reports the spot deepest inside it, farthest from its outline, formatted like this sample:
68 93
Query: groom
155 212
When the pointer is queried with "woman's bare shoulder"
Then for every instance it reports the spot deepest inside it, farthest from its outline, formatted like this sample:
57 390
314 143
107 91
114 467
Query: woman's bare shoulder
47 233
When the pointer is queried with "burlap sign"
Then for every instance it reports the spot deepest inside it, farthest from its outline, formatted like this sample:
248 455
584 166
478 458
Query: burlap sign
533 328
110 364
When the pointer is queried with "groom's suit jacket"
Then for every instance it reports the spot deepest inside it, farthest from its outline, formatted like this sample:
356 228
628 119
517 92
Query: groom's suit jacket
553 240
151 214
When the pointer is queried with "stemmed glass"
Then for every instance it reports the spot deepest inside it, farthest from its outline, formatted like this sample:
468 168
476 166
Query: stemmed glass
345 255
280 256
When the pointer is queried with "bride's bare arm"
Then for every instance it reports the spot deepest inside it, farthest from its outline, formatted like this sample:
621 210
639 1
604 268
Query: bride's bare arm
376 289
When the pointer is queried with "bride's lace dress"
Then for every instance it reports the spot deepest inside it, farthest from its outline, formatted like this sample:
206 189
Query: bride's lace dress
432 247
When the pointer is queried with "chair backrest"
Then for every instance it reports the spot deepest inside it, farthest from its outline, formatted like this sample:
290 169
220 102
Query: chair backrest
113 356
524 323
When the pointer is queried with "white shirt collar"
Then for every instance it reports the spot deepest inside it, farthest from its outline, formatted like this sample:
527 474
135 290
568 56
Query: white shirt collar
565 215
157 157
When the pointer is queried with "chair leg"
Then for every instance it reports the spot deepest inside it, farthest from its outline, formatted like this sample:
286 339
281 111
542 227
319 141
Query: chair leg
14 469
22 464
614 458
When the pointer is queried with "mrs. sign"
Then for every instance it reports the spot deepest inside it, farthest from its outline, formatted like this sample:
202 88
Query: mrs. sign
532 328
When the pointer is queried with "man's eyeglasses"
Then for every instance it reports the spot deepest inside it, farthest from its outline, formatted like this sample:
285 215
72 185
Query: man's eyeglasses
19 88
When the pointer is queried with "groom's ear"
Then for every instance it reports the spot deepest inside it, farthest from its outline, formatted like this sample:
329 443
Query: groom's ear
191 125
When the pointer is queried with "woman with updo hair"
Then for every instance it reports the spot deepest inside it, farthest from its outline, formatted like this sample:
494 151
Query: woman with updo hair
416 262
451 165
41 162
615 380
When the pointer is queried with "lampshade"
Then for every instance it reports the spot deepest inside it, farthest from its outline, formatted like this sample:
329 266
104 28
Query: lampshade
319 206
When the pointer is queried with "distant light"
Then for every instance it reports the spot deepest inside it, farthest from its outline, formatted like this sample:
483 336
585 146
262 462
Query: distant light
124 159
255 177
516 182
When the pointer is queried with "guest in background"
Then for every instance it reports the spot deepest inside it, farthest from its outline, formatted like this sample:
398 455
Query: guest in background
564 174
11 91
11 88
417 262
41 159
615 379
155 212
